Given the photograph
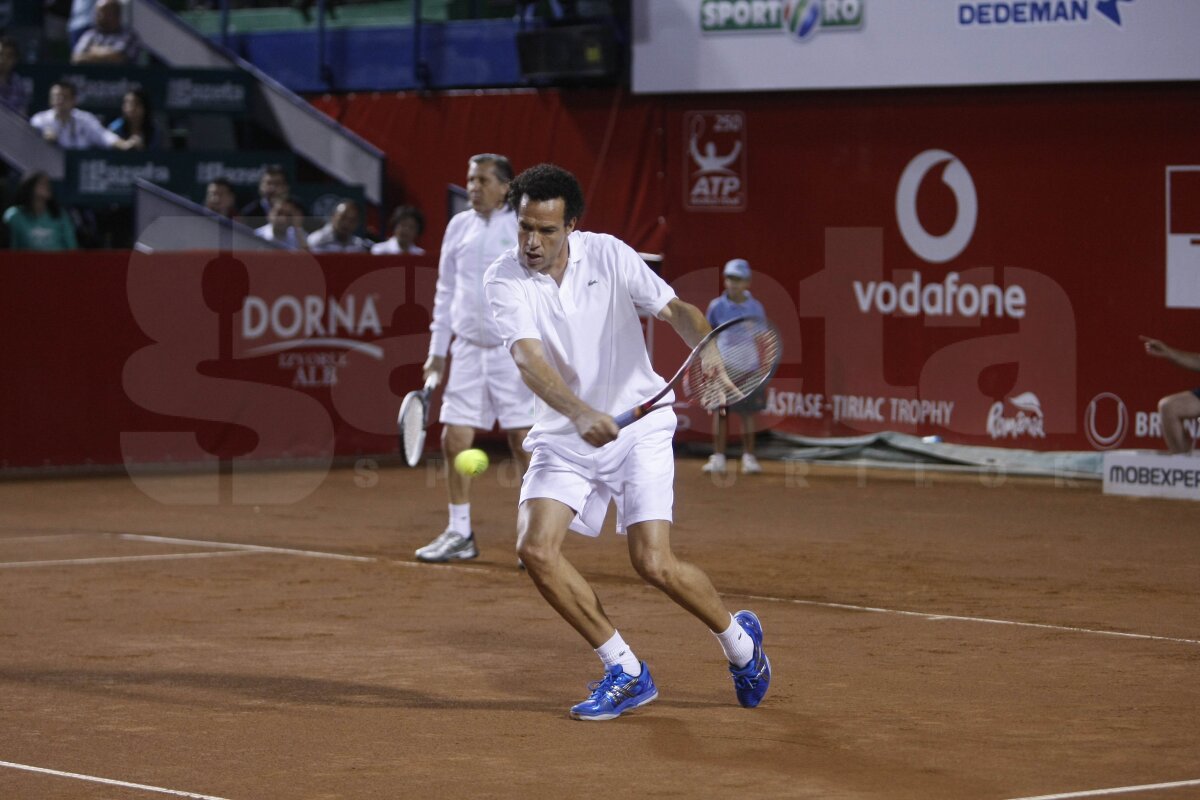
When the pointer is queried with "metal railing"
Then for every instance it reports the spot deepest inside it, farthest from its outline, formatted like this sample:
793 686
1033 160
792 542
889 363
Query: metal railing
335 149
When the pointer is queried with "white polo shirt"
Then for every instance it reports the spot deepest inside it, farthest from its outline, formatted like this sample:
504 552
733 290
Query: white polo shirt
588 326
472 242
81 131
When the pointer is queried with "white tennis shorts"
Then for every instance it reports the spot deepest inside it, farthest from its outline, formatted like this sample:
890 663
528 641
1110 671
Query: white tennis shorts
637 472
485 387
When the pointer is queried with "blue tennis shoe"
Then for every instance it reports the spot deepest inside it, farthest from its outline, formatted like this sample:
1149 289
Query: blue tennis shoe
616 693
751 681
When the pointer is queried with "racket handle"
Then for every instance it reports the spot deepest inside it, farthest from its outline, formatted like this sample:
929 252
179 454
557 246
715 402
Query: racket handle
627 419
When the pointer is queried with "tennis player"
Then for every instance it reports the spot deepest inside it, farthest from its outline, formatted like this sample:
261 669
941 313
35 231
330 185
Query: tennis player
484 386
566 303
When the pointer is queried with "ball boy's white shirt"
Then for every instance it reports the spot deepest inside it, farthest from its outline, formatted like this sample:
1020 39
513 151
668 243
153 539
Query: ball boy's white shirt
588 327
460 308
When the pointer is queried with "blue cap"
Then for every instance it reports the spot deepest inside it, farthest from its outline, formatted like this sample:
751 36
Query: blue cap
737 268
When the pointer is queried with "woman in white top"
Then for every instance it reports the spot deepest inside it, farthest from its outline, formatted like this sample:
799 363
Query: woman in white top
405 225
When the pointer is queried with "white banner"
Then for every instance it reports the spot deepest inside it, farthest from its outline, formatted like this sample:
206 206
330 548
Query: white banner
1143 473
753 45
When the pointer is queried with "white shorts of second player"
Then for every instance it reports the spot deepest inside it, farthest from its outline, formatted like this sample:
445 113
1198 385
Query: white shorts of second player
484 388
637 472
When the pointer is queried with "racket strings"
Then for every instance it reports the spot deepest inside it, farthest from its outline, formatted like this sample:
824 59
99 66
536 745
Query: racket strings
412 426
733 364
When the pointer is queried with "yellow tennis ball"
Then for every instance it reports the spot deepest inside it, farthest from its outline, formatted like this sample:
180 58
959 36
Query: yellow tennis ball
471 462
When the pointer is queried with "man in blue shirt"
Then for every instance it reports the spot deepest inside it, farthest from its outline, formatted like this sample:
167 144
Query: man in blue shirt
735 303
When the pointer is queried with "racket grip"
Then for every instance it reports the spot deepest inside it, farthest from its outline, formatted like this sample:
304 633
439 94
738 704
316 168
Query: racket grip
626 419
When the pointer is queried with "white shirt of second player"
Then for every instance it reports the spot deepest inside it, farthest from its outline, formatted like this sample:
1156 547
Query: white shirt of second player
484 386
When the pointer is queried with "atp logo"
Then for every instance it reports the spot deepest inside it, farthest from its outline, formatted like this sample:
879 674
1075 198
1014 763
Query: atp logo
801 20
715 180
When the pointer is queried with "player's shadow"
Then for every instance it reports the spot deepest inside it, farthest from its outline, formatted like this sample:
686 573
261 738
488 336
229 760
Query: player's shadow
214 689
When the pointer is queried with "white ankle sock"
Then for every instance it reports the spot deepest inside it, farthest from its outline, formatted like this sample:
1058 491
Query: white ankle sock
737 644
460 518
615 651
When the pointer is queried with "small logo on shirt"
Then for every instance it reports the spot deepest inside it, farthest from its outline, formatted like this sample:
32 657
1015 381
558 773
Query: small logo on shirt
593 281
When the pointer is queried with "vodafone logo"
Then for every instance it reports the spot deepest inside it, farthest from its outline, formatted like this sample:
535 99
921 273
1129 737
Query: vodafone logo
1107 440
936 249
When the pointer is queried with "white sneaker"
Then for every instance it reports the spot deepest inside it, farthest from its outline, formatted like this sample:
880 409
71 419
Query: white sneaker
716 463
450 545
750 465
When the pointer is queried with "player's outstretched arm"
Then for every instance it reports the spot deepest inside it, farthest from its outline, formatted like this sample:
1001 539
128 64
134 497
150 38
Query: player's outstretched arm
687 320
1183 358
596 427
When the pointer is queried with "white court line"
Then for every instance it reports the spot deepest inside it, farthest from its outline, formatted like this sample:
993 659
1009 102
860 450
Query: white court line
1118 790
40 537
491 570
935 617
307 553
117 559
110 781
247 547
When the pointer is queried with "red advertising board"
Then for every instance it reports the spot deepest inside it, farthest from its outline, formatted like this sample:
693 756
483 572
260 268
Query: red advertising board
972 264
127 358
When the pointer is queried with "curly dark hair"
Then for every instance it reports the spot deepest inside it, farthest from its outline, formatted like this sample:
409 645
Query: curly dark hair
548 182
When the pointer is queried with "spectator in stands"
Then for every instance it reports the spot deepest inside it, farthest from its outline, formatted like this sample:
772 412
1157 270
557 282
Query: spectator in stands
107 41
337 236
83 12
72 129
272 183
135 120
285 224
14 94
405 225
219 198
35 222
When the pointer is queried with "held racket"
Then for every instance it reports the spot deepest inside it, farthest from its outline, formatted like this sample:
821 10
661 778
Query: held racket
728 364
413 420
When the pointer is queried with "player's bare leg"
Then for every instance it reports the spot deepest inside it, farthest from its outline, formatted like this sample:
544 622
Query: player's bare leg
750 465
1174 410
455 439
716 462
541 527
516 437
740 635
457 541
686 584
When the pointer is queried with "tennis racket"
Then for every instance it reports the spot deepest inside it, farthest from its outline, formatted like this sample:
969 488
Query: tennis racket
728 364
413 420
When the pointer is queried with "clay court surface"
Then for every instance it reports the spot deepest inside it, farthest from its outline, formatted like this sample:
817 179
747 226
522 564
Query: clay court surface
137 646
